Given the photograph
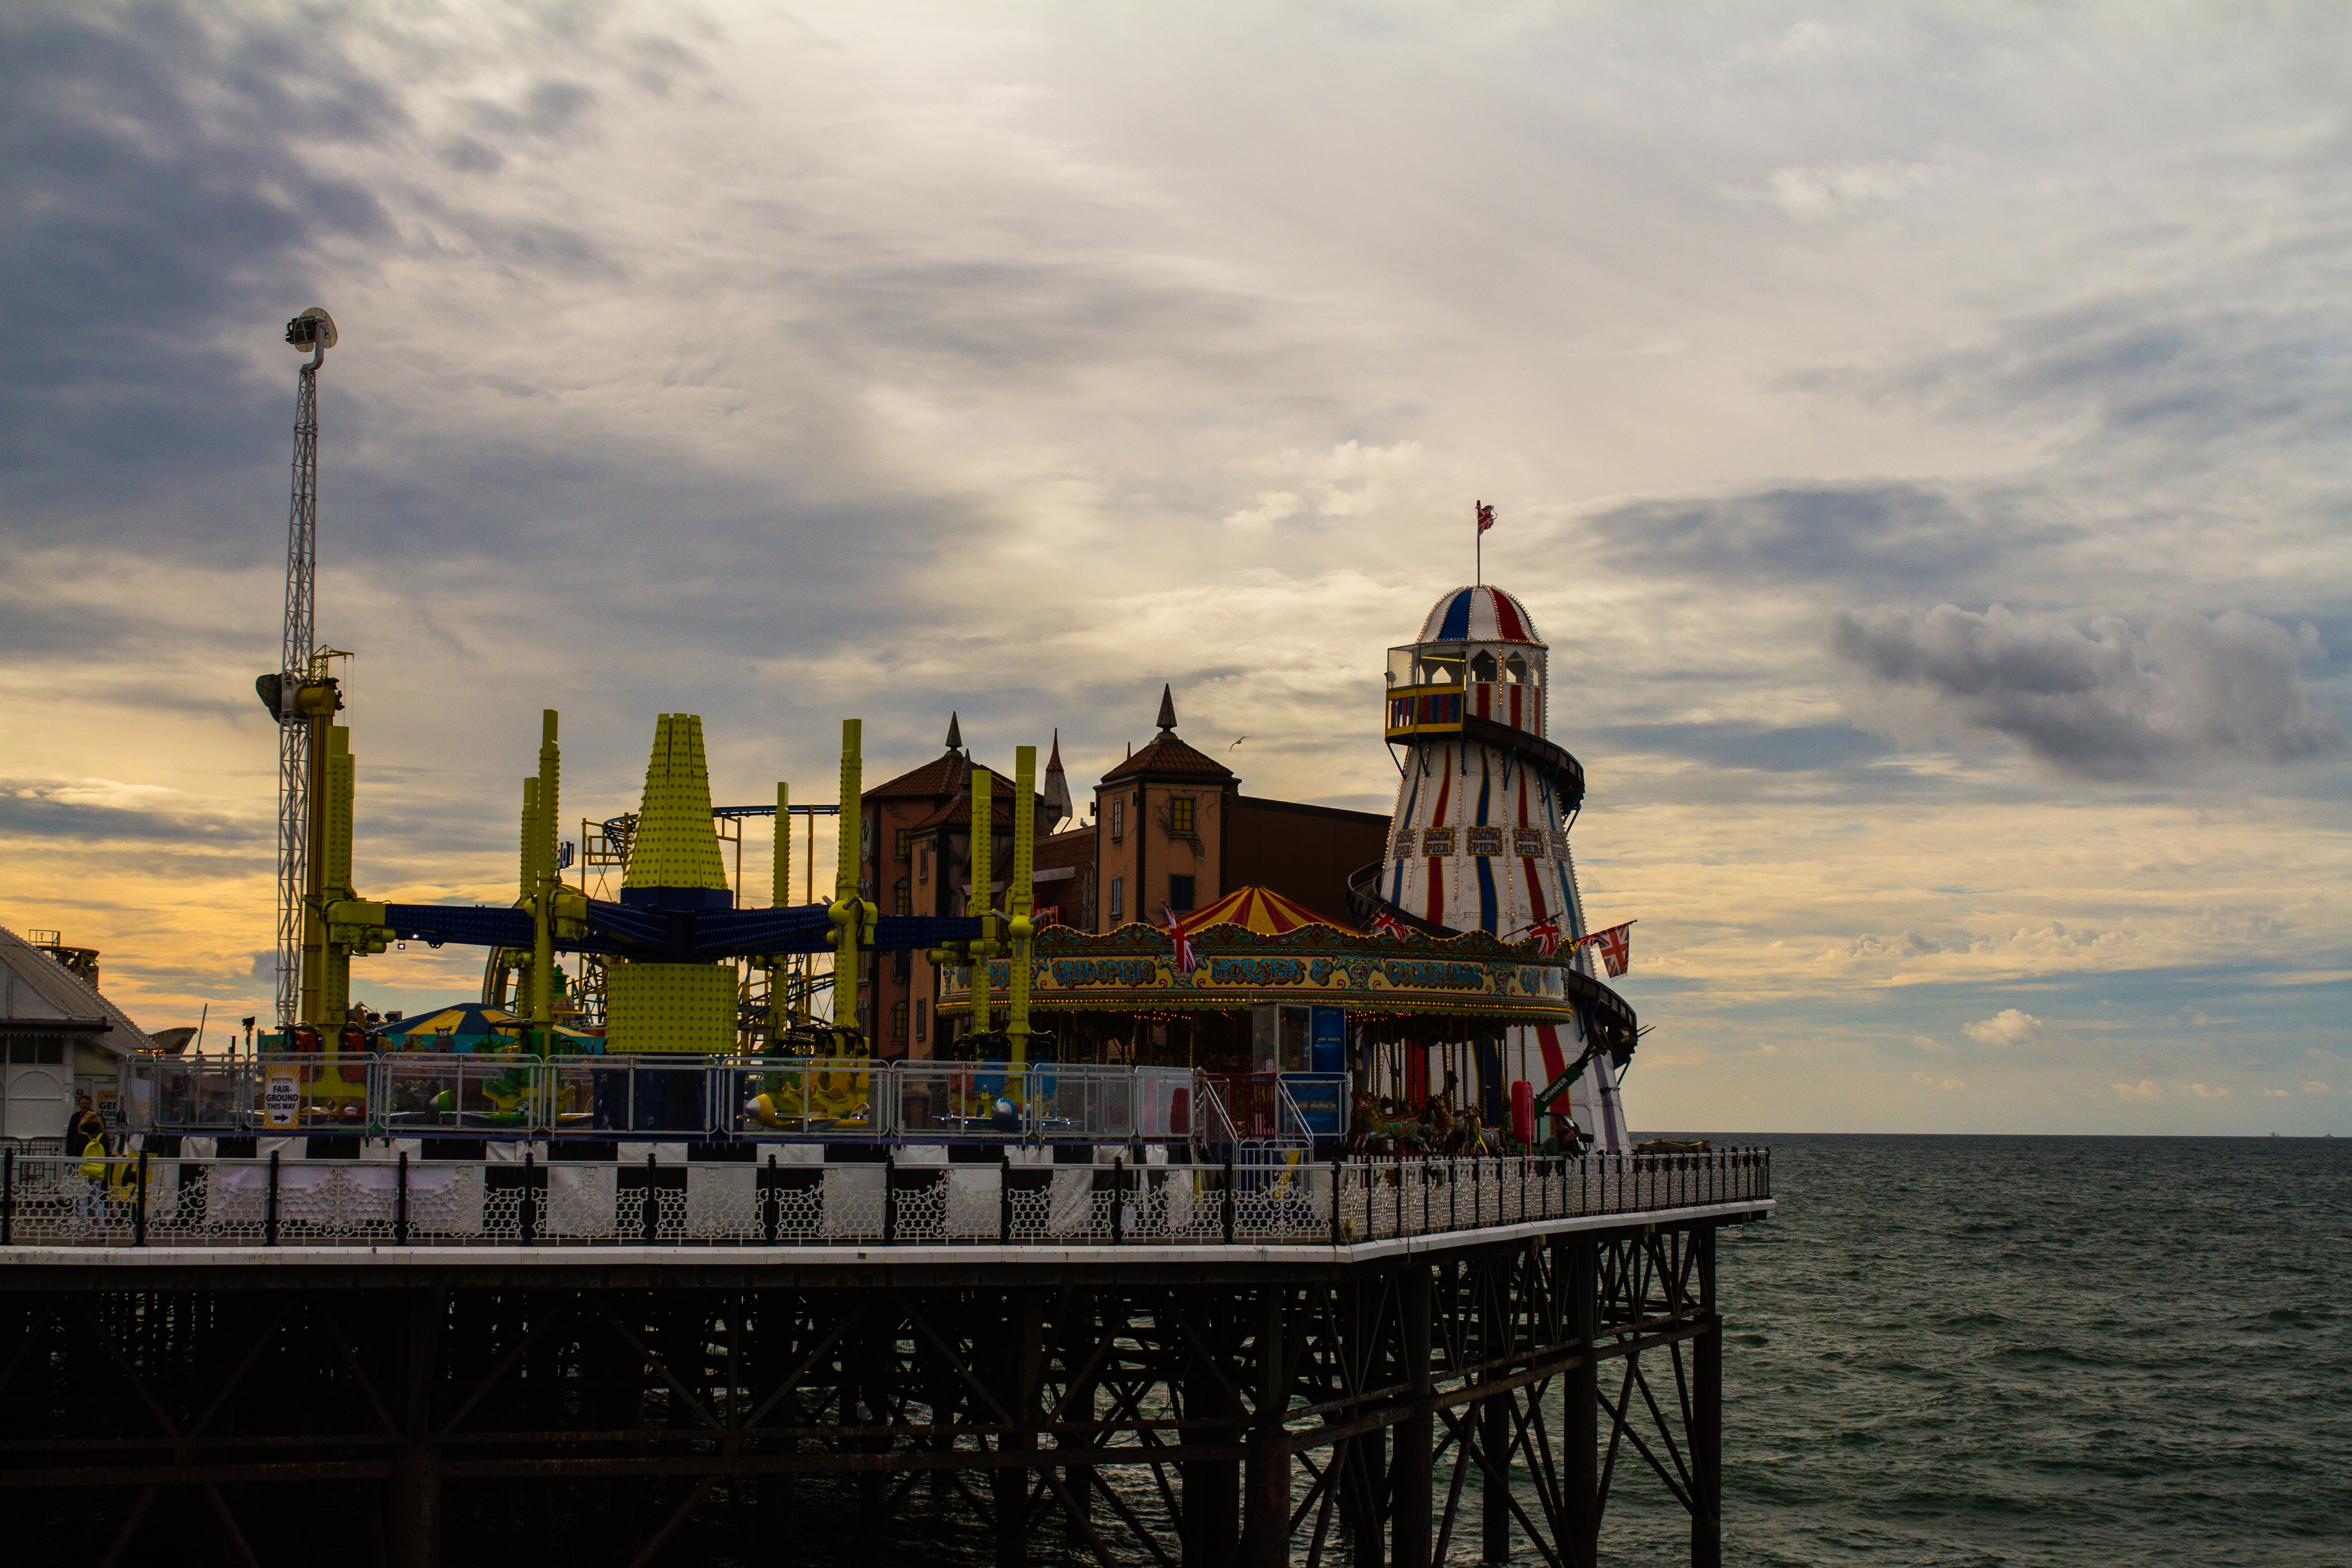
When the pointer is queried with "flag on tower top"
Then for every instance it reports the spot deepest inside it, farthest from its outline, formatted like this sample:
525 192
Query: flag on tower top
1486 516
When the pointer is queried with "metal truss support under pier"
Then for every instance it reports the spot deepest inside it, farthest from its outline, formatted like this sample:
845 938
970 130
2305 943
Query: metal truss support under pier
1484 1393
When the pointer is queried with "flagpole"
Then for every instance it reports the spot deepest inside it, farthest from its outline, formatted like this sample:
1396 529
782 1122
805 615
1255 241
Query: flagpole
1479 544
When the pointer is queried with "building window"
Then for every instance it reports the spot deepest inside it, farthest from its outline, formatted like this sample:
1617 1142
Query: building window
1180 816
898 1023
906 842
902 897
1180 893
1118 899
923 864
1118 819
902 964
922 1018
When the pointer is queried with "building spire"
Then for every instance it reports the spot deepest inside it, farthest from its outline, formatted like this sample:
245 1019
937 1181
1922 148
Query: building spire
1167 720
1057 787
955 735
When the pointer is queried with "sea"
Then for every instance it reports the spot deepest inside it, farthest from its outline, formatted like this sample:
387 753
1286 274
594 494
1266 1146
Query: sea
1963 1351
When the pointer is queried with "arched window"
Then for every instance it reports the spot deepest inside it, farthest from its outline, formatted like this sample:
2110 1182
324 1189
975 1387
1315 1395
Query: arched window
1515 670
1482 669
902 898
898 1023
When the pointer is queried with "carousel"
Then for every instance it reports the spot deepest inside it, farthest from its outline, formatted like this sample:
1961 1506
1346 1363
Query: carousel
1395 1042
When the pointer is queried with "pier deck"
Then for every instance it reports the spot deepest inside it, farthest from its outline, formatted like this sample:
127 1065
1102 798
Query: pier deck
1493 1347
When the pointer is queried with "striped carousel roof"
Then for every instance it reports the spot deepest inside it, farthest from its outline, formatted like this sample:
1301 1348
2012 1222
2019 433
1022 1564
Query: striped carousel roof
1262 910
1479 615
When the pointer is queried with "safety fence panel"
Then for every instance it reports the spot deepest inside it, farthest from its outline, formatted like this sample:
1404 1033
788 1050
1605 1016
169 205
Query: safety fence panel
1166 1101
418 1091
853 1096
193 1090
1252 1103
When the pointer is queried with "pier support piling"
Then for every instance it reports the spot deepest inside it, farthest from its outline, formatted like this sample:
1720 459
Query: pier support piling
1706 1412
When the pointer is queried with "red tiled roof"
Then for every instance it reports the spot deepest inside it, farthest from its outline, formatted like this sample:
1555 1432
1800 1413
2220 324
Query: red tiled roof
1076 848
956 813
1167 755
950 774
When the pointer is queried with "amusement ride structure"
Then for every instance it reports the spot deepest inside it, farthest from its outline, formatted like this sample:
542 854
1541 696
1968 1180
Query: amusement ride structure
1479 839
301 696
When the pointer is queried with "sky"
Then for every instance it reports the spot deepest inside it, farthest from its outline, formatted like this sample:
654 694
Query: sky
1918 431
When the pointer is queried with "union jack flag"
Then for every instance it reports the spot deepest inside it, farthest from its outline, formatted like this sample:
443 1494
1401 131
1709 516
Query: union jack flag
1486 516
1182 943
1387 924
1616 946
1546 934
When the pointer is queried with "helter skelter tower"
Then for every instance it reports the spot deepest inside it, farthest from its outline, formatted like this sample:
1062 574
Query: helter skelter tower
1478 841
298 693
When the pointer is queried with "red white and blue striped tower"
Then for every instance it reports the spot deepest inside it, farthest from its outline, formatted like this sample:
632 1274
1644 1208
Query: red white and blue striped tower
1479 838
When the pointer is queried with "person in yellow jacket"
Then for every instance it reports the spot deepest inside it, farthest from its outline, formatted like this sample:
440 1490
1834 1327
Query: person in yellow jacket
90 1196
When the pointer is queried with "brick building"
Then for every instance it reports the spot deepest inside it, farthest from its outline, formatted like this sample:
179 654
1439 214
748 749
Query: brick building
1171 830
915 848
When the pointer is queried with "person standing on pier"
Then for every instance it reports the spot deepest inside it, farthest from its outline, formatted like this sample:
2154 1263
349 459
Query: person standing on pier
86 1123
90 1196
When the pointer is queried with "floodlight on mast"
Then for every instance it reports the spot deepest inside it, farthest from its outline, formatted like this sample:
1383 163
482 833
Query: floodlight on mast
299 694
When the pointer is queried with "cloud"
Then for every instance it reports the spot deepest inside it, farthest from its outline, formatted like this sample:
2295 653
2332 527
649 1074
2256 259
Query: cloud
2314 1087
1928 1080
2144 1089
2009 1027
2278 1094
1879 535
2204 1093
1269 508
1810 196
93 810
2101 703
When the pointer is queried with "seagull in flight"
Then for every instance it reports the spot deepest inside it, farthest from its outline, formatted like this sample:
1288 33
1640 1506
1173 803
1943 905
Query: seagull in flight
1237 740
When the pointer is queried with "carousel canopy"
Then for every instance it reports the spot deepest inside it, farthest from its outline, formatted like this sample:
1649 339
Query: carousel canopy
1260 910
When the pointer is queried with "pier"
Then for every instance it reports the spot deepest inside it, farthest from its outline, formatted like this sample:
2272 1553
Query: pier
1164 1352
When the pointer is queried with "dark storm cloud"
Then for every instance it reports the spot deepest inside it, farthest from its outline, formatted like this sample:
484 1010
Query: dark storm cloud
1807 748
2129 369
154 198
548 108
2102 703
1886 537
32 810
136 223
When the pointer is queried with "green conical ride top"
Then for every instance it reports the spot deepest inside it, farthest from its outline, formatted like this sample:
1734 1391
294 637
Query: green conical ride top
674 845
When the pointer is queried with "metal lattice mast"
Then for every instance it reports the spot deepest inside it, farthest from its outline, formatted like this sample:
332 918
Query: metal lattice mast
311 329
